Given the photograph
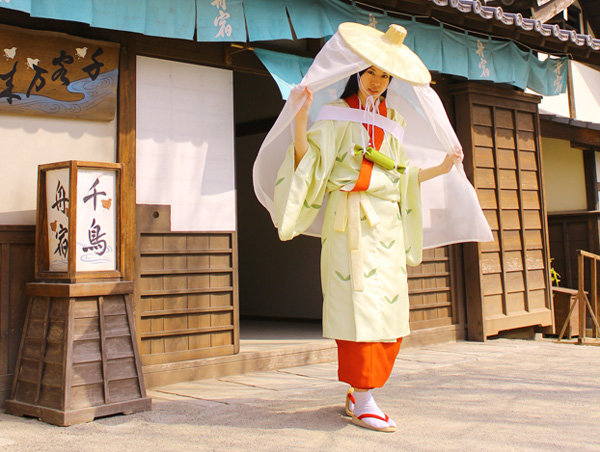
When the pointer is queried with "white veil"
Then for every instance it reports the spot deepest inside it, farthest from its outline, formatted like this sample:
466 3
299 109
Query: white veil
451 211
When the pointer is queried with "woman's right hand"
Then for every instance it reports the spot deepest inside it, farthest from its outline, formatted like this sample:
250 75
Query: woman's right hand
303 111
300 139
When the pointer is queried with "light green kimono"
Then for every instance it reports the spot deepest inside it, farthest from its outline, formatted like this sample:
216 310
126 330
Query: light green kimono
366 239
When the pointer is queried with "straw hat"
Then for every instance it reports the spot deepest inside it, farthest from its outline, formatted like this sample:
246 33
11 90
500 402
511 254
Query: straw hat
386 51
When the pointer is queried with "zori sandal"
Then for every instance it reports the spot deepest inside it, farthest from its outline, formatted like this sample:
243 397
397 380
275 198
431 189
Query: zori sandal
350 400
359 421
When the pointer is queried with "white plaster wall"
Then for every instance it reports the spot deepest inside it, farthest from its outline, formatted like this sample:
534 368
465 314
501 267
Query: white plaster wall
564 177
559 105
28 141
586 92
586 87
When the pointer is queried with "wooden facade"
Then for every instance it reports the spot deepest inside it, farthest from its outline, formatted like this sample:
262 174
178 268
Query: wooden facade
507 279
187 299
435 290
17 244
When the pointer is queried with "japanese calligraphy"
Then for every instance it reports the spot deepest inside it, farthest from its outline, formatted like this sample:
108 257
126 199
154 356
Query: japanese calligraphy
94 236
38 80
8 78
61 72
94 69
62 235
485 71
372 21
62 201
95 193
53 74
558 81
221 20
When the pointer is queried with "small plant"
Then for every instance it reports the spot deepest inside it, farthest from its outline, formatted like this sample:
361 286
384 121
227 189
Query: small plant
554 275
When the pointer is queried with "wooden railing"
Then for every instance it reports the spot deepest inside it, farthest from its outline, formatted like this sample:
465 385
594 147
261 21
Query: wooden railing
582 300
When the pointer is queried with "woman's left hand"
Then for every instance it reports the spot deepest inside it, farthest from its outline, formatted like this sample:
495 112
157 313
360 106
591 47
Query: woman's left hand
456 156
429 173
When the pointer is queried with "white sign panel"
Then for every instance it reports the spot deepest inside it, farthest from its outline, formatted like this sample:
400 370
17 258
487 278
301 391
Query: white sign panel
57 200
96 220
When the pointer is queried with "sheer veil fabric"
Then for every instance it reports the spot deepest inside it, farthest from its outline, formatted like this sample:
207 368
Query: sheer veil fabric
451 211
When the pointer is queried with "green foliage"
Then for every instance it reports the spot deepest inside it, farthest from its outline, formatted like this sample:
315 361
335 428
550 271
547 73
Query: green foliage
554 275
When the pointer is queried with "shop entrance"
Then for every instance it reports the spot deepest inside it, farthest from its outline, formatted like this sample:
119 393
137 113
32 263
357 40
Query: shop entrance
280 297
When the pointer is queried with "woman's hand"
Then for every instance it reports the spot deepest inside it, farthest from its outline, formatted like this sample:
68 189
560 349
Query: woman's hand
300 139
303 111
449 160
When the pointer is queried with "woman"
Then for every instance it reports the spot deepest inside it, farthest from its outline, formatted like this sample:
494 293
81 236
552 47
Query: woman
372 225
381 242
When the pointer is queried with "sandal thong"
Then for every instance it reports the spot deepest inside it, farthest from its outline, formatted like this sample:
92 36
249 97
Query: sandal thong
350 398
359 421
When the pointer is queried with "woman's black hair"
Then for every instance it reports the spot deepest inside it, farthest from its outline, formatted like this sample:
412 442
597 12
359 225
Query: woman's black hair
352 85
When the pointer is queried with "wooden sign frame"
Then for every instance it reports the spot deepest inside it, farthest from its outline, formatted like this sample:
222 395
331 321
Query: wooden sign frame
72 275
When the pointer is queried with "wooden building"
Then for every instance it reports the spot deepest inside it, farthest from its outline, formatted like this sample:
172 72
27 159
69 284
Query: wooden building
193 103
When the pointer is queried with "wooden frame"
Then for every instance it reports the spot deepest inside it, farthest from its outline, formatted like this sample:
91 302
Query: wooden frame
42 269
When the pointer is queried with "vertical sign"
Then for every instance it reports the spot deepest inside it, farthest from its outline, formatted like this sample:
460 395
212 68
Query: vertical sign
96 220
57 200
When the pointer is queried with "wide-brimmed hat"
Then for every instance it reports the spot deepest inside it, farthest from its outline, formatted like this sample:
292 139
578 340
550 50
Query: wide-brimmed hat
386 51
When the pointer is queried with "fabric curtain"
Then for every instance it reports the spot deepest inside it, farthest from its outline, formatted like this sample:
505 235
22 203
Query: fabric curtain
442 50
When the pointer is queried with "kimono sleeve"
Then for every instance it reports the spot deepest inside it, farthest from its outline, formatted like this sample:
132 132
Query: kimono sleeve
412 216
299 193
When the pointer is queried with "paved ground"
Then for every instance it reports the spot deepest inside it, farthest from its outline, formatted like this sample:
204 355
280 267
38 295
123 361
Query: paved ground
501 395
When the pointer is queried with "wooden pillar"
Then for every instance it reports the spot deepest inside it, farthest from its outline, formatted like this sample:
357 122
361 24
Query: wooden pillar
126 153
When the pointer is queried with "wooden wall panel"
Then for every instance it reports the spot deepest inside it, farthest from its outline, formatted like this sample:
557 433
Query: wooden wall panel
507 280
433 291
187 292
17 247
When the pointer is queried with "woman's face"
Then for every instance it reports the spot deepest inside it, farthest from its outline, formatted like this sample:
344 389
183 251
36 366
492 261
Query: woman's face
373 83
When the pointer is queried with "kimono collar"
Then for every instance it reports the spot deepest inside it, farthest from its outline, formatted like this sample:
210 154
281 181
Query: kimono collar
376 134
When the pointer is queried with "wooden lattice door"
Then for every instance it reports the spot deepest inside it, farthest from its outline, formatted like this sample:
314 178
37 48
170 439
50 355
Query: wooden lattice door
507 280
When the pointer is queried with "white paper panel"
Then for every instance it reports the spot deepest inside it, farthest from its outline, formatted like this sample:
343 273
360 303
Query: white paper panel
57 202
96 220
185 137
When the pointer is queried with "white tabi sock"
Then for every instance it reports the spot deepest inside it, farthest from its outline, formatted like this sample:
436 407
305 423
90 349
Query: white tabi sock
365 404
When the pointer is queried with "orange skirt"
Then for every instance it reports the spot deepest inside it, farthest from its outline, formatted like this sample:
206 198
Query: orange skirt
366 365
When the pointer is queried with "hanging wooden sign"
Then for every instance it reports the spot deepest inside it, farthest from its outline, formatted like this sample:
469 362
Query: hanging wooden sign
54 74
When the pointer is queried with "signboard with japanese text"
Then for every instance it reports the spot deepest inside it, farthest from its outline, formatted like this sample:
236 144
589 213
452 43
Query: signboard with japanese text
57 200
54 74
96 221
78 224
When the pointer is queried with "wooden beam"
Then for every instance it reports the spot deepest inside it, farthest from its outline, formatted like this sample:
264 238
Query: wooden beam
126 154
550 9
577 135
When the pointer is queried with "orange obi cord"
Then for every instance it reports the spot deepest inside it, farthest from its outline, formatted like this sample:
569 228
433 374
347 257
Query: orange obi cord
366 365
376 135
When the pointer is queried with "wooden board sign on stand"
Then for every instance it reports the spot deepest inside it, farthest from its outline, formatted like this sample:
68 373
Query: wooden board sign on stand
78 358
